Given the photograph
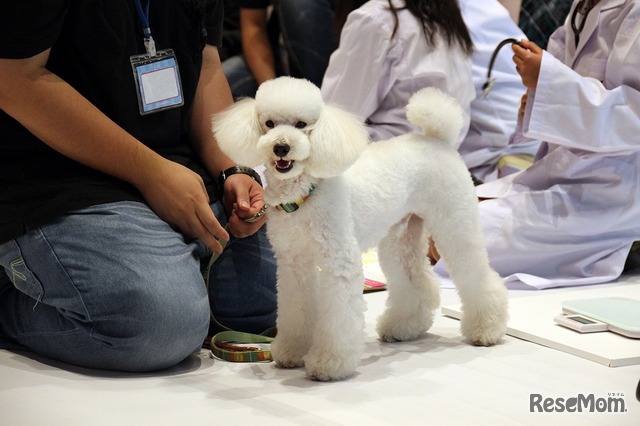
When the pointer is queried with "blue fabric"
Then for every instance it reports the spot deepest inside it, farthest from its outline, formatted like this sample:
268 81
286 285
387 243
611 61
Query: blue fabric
114 287
241 81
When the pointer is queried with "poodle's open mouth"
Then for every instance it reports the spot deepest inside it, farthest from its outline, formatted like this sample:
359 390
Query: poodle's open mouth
283 166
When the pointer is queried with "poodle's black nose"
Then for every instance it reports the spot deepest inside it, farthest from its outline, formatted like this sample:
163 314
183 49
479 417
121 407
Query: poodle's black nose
281 149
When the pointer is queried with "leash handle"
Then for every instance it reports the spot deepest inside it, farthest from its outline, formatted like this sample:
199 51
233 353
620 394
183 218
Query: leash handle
226 346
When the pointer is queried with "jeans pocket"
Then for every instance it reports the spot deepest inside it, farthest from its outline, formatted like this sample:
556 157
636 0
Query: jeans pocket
18 272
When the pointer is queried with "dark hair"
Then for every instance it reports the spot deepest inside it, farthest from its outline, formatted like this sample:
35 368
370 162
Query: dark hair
436 16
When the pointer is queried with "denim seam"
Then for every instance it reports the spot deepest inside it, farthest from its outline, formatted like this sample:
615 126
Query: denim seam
62 267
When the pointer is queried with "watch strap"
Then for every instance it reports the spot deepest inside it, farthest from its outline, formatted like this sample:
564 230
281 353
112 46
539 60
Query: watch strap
235 170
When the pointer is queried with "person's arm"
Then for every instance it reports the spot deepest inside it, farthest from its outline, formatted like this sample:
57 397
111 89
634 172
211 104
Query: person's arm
585 114
242 195
66 121
255 44
357 67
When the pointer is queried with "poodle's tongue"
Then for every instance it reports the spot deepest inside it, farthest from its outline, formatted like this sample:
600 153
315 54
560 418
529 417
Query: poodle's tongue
283 166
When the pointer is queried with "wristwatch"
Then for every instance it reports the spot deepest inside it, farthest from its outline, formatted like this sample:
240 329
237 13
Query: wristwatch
235 170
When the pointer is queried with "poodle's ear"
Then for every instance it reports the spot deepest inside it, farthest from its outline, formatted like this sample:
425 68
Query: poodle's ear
337 140
237 131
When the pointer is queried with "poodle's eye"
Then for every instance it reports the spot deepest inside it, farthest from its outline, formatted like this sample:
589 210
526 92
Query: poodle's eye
301 125
270 124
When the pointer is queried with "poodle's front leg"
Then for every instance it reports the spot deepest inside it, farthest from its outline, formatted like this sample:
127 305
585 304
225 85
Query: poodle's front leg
297 287
338 337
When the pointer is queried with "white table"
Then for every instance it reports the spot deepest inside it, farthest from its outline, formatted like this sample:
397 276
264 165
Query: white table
437 380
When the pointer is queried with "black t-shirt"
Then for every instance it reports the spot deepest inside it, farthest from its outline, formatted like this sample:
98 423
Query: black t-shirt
231 37
253 4
91 42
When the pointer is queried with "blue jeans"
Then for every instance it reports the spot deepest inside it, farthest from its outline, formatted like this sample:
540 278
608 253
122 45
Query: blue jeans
241 81
306 27
114 287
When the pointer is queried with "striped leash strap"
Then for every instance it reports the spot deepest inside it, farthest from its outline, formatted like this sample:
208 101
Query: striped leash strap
230 345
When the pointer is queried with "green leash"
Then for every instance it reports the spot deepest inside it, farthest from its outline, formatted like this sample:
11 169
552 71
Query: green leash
230 345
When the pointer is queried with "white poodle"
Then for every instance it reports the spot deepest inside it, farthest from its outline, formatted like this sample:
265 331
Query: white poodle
333 195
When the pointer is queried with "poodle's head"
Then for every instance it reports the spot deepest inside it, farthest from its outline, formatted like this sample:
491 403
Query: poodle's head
289 129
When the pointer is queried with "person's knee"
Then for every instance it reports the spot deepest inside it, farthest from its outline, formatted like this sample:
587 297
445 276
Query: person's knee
158 329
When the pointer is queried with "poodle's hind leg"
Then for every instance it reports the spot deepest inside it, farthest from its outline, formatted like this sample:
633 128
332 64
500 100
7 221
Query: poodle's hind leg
459 239
297 288
414 290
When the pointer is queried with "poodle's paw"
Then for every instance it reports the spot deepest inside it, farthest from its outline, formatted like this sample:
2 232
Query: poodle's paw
487 335
324 365
288 363
286 355
400 328
485 325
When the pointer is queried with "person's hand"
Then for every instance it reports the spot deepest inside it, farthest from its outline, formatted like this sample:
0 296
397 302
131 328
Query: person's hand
178 196
527 58
523 105
242 198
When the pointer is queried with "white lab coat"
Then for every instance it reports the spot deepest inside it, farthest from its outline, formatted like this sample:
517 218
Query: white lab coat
373 75
493 117
571 218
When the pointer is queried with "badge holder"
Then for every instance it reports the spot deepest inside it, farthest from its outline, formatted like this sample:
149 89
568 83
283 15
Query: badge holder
157 79
156 73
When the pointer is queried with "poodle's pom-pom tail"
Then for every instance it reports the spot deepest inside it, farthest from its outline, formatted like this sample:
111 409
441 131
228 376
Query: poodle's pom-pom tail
438 115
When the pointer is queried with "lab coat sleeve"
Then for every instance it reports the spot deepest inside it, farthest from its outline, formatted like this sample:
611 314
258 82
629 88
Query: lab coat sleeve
357 68
575 111
556 45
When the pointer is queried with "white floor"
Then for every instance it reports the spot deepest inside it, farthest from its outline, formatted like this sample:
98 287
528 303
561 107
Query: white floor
437 380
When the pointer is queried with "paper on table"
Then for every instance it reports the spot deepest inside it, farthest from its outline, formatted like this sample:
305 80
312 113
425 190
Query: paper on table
374 279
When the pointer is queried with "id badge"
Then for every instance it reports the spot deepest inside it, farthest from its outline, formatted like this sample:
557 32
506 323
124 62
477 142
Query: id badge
157 81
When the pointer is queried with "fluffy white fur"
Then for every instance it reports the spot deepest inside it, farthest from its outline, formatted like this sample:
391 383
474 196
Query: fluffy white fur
393 194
